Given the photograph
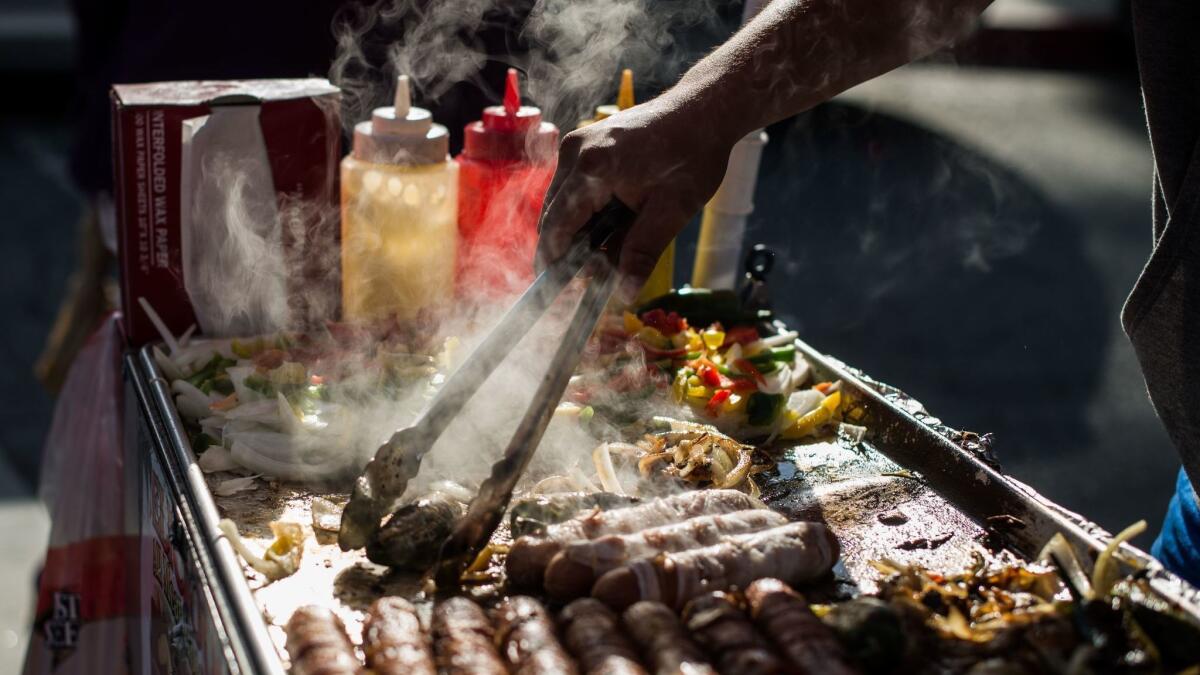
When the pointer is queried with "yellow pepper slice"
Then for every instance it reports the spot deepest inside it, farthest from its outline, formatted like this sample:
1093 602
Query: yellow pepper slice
632 323
699 392
653 337
809 422
713 339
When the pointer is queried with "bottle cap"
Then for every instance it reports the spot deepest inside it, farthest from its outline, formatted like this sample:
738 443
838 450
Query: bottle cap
624 97
510 131
401 133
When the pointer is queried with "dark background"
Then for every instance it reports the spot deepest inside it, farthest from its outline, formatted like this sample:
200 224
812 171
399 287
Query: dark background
965 229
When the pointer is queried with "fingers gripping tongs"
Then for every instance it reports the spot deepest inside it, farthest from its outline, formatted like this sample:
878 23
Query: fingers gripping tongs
385 478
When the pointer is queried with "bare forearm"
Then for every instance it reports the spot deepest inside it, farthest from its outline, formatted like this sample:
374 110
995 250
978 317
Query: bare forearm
797 53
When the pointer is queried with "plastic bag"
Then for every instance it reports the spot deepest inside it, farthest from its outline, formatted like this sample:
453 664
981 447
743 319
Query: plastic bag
85 597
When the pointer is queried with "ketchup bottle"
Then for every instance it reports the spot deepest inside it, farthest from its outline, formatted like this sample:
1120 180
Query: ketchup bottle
507 162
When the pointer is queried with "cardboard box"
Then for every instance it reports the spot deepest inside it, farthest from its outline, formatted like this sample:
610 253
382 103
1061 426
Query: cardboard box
177 146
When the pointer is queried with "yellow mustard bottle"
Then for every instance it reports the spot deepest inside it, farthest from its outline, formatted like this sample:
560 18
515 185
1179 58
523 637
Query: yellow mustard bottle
399 214
662 278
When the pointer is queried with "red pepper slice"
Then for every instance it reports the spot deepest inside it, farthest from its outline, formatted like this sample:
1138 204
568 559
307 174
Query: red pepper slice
742 335
714 404
748 368
666 323
709 376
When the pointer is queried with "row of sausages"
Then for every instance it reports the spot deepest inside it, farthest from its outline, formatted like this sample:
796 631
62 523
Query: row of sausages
670 550
767 630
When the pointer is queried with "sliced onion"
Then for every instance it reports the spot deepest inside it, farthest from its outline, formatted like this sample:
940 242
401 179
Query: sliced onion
780 340
605 470
232 486
216 458
160 326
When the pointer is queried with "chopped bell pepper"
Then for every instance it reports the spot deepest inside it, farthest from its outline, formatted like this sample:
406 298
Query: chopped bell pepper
714 404
808 423
632 323
713 339
762 409
741 335
667 323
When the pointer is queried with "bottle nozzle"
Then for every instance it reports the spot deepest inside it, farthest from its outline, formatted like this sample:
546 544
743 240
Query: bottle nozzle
512 93
403 97
625 93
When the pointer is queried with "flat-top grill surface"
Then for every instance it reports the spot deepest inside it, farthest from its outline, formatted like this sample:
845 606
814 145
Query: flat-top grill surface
911 492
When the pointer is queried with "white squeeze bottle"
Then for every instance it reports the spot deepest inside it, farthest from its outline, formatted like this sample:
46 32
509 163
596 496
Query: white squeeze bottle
399 214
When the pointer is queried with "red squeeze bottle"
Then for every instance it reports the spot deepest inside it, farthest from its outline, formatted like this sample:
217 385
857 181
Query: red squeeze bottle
507 162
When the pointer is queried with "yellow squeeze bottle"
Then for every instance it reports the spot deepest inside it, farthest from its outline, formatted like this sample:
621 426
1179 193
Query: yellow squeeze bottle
662 278
399 214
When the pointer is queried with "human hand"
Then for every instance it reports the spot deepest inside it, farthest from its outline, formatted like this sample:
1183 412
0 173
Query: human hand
662 159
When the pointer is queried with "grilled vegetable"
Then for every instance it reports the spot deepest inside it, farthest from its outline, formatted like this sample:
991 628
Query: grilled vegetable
729 637
411 538
393 641
574 570
282 557
593 634
797 553
527 639
318 645
664 642
871 631
463 639
529 556
783 614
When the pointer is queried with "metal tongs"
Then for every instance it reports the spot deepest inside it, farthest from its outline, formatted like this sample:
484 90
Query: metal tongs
385 478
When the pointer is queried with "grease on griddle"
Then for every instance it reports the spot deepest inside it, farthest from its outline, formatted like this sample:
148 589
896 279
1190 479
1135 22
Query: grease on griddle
925 543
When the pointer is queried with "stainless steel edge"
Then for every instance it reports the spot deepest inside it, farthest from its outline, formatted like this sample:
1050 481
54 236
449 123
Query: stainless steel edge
248 630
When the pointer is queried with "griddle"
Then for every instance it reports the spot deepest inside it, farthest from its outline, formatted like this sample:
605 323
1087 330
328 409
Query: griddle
914 490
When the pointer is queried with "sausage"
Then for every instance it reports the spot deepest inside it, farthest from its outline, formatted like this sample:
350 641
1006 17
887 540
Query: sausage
526 635
574 569
593 634
783 614
663 640
730 638
527 559
532 515
318 645
463 639
393 641
796 552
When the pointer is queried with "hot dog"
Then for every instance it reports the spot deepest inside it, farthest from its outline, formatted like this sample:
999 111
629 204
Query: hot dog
318 645
393 641
574 569
664 641
529 556
463 639
730 638
593 634
526 636
796 552
784 616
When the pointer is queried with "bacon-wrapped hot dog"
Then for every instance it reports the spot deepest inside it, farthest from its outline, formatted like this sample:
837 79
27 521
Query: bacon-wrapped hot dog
318 645
663 640
783 614
526 635
730 638
393 641
575 568
529 556
463 639
796 552
593 634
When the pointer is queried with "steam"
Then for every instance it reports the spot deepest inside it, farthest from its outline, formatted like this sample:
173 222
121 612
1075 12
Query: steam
570 50
267 255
